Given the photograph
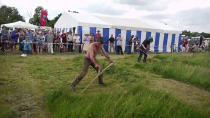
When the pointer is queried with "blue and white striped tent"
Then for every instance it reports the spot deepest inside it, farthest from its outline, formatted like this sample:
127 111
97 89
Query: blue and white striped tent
163 39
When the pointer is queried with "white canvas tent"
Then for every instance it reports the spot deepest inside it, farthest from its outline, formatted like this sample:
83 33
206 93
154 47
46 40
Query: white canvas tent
21 24
70 20
128 24
162 26
164 36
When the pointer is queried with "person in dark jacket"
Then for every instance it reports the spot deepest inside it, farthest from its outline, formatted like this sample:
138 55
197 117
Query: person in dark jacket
143 49
130 44
135 43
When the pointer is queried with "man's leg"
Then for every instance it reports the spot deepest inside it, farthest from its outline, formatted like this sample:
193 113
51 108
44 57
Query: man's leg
121 50
113 47
72 44
145 58
100 78
48 46
83 73
51 48
139 59
118 49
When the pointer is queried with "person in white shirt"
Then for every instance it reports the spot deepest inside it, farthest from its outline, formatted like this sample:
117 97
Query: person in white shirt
119 44
70 41
77 42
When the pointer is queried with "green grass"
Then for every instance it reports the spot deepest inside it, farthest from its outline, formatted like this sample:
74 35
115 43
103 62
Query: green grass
39 86
136 102
189 69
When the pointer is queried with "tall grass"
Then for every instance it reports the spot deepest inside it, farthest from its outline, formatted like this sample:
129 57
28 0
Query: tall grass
136 102
170 67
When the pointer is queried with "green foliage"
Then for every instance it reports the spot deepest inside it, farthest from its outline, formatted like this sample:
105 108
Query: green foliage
9 15
37 15
54 20
195 34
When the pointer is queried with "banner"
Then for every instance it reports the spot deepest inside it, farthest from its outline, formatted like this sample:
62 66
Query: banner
43 18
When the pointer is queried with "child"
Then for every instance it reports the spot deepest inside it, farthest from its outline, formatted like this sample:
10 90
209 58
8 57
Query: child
62 48
27 46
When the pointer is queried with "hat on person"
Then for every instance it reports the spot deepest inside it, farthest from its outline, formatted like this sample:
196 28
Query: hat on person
3 26
151 39
76 33
119 35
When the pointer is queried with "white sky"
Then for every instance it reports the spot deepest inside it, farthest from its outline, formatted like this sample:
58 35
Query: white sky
55 7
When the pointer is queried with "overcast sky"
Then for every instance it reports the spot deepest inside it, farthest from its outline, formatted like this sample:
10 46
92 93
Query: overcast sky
183 14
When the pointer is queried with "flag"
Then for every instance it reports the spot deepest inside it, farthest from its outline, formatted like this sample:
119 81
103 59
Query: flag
43 18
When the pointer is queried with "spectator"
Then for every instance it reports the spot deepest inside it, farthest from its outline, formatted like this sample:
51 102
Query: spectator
40 43
31 38
70 41
92 37
21 38
119 45
135 43
86 43
4 38
50 38
111 43
130 44
185 45
27 45
201 40
77 42
14 38
91 40
57 41
97 35
62 48
64 38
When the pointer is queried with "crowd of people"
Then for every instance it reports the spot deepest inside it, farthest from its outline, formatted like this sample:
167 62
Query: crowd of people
192 44
30 41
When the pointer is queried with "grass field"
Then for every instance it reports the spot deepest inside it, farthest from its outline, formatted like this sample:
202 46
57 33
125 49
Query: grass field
167 86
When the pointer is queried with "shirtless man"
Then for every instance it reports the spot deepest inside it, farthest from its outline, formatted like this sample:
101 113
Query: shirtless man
89 59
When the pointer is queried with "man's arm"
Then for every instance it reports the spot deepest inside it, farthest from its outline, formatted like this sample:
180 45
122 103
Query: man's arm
105 54
143 44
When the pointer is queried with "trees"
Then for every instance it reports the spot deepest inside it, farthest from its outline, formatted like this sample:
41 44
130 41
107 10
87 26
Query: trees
195 34
36 18
54 20
9 15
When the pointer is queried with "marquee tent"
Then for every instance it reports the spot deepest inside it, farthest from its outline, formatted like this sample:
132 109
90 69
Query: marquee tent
163 37
168 37
21 24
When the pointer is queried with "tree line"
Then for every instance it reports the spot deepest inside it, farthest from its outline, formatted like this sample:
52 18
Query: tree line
11 14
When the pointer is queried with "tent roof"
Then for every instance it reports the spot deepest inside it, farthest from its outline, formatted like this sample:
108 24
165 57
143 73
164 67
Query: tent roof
128 24
21 24
69 19
164 27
